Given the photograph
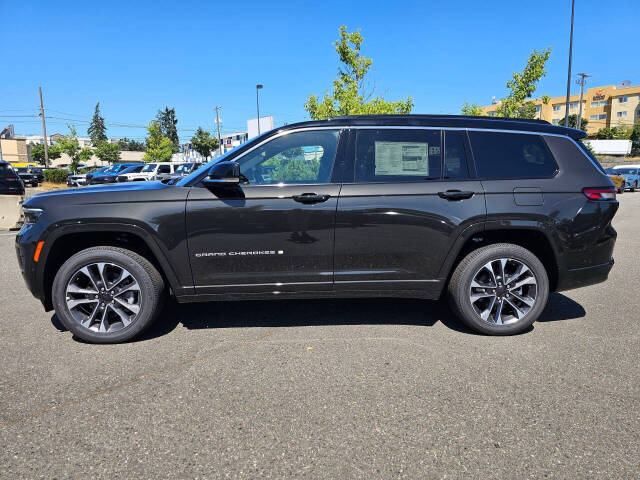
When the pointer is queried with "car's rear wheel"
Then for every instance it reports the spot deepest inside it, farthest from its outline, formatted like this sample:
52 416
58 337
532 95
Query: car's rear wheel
107 294
499 289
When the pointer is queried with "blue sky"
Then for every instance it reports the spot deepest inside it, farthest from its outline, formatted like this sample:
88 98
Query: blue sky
138 56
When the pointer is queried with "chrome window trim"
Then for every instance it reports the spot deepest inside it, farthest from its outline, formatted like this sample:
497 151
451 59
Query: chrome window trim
341 127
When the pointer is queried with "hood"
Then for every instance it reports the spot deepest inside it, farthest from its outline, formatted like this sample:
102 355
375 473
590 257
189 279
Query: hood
115 190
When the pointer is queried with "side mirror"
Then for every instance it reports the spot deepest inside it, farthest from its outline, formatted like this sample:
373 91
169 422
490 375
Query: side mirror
223 174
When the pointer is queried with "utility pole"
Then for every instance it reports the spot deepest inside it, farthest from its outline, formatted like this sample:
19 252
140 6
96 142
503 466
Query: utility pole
582 80
566 109
44 131
258 88
218 123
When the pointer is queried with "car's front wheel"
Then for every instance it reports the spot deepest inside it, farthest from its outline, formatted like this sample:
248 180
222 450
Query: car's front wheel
107 294
499 289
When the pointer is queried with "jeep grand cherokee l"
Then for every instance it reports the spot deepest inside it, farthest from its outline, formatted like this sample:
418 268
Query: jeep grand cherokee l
492 213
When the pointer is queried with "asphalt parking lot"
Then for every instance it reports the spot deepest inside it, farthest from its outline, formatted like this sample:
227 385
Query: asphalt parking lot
329 389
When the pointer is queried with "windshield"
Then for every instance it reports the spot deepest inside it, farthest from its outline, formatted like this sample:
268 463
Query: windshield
112 169
184 168
133 169
150 167
626 171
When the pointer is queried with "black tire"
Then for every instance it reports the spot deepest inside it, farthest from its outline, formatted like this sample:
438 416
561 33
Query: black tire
148 278
460 285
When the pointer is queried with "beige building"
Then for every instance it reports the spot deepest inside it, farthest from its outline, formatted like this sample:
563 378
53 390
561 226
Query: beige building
14 150
608 106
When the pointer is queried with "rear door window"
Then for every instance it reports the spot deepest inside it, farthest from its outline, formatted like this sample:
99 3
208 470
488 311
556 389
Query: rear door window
511 155
397 155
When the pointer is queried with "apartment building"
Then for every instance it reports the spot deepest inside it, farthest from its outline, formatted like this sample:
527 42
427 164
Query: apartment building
607 106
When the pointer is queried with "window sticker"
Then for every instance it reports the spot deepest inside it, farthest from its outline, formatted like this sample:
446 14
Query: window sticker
402 158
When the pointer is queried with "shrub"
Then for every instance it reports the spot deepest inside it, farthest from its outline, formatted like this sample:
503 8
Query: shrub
56 175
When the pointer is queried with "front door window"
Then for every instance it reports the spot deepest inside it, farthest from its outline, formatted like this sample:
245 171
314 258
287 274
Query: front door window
296 158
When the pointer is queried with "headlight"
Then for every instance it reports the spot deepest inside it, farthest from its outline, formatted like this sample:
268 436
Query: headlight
31 215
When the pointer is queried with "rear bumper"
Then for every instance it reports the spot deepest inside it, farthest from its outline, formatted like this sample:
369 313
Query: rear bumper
585 276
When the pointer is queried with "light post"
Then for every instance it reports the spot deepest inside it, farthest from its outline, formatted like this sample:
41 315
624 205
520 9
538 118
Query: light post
258 88
566 110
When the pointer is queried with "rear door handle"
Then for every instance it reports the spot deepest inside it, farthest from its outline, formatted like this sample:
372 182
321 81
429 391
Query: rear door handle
455 194
308 198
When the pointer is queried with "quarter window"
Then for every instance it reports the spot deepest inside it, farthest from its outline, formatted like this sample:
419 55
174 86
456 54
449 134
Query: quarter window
511 155
397 155
299 157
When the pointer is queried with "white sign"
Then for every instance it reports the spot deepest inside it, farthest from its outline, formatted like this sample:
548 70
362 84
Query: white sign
402 158
266 124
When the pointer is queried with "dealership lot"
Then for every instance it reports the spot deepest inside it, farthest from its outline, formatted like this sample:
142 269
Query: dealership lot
328 389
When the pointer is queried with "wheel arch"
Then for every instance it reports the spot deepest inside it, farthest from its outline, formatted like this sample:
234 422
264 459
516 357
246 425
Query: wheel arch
530 235
70 240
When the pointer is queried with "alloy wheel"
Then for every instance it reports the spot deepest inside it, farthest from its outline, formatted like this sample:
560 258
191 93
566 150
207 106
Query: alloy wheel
103 297
503 291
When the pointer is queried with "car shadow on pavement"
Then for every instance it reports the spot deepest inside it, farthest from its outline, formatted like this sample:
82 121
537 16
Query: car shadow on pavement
299 313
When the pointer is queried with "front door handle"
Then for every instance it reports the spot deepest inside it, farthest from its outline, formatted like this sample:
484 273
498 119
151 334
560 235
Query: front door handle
455 194
309 198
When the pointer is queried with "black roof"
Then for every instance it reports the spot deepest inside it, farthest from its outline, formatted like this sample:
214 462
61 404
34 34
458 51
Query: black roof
452 121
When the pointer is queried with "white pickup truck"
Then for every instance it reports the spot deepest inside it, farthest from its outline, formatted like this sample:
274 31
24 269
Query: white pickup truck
151 171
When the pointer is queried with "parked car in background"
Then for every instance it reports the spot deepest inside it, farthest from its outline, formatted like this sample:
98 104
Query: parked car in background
128 173
617 179
27 177
10 183
80 179
110 174
631 174
180 171
154 171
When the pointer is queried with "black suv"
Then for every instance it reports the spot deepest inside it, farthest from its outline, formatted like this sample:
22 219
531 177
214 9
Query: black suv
10 182
492 213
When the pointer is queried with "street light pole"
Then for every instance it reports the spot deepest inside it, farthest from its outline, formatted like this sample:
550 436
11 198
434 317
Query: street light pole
218 124
258 88
566 108
582 80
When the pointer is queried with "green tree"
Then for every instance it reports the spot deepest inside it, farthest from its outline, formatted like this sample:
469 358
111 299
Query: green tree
522 85
130 145
573 122
168 126
108 152
37 152
472 110
69 144
614 133
203 143
635 136
159 148
97 130
349 95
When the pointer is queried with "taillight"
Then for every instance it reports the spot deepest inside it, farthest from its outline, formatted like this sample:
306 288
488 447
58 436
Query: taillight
600 193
